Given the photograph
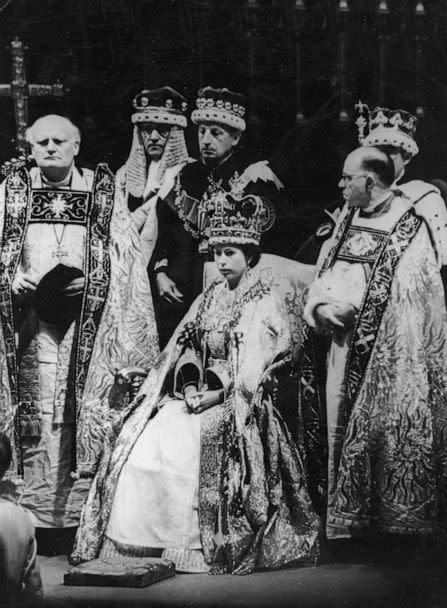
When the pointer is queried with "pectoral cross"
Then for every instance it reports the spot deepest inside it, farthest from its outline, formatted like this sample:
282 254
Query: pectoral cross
20 90
60 252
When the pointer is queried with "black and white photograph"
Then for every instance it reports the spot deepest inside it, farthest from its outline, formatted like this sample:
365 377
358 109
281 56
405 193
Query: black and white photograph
223 288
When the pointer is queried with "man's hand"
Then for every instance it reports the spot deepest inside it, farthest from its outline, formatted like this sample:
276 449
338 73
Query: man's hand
167 288
203 400
346 313
326 317
336 317
75 287
23 284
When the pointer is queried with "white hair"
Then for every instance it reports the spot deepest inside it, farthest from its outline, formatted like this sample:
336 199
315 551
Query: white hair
76 133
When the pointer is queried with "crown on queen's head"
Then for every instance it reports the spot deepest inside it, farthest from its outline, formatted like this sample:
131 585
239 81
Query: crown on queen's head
221 106
162 106
238 221
387 128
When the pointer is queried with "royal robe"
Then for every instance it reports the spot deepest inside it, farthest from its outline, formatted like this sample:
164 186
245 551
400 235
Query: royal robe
253 506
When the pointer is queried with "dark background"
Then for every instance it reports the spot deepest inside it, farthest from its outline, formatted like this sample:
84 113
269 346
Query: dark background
105 51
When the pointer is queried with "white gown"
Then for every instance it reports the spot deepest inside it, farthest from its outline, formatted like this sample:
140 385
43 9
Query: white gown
156 500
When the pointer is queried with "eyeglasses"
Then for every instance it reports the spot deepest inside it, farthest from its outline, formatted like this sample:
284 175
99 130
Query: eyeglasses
349 178
162 130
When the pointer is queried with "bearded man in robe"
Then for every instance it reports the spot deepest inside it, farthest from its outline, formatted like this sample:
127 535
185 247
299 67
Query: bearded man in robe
75 307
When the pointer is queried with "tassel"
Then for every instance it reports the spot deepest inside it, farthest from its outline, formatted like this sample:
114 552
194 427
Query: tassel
31 428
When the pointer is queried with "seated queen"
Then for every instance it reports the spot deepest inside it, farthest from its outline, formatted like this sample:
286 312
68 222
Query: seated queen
204 470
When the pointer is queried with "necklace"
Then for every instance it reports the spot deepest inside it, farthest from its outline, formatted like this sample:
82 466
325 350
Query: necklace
60 251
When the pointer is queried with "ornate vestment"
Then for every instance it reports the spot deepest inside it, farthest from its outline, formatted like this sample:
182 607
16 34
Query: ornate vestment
375 409
56 388
254 510
428 204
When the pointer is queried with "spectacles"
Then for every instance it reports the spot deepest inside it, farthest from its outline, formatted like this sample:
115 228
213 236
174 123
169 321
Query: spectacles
162 130
349 178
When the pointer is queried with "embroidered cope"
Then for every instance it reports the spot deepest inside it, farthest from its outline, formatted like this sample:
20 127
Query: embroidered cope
374 404
56 382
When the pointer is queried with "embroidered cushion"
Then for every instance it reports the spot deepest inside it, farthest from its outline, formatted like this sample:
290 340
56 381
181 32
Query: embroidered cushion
120 572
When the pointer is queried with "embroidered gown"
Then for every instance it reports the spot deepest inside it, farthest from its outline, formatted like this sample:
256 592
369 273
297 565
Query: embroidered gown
228 482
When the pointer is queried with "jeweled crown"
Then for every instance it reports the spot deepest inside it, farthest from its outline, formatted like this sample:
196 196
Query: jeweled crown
162 106
239 221
387 127
220 105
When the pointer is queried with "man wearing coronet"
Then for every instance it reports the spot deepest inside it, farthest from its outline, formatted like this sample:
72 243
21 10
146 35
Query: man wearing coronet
393 132
158 153
182 246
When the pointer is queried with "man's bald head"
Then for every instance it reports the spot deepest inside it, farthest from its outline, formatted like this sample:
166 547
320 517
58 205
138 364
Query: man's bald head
373 160
367 173
54 144
52 121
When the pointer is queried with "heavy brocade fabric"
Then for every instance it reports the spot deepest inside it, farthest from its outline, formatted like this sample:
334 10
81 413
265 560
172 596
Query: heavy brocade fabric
429 204
134 179
254 510
393 465
392 459
125 335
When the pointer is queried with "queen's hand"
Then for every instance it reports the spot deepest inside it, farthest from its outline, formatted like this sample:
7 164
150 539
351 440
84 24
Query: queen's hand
199 401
